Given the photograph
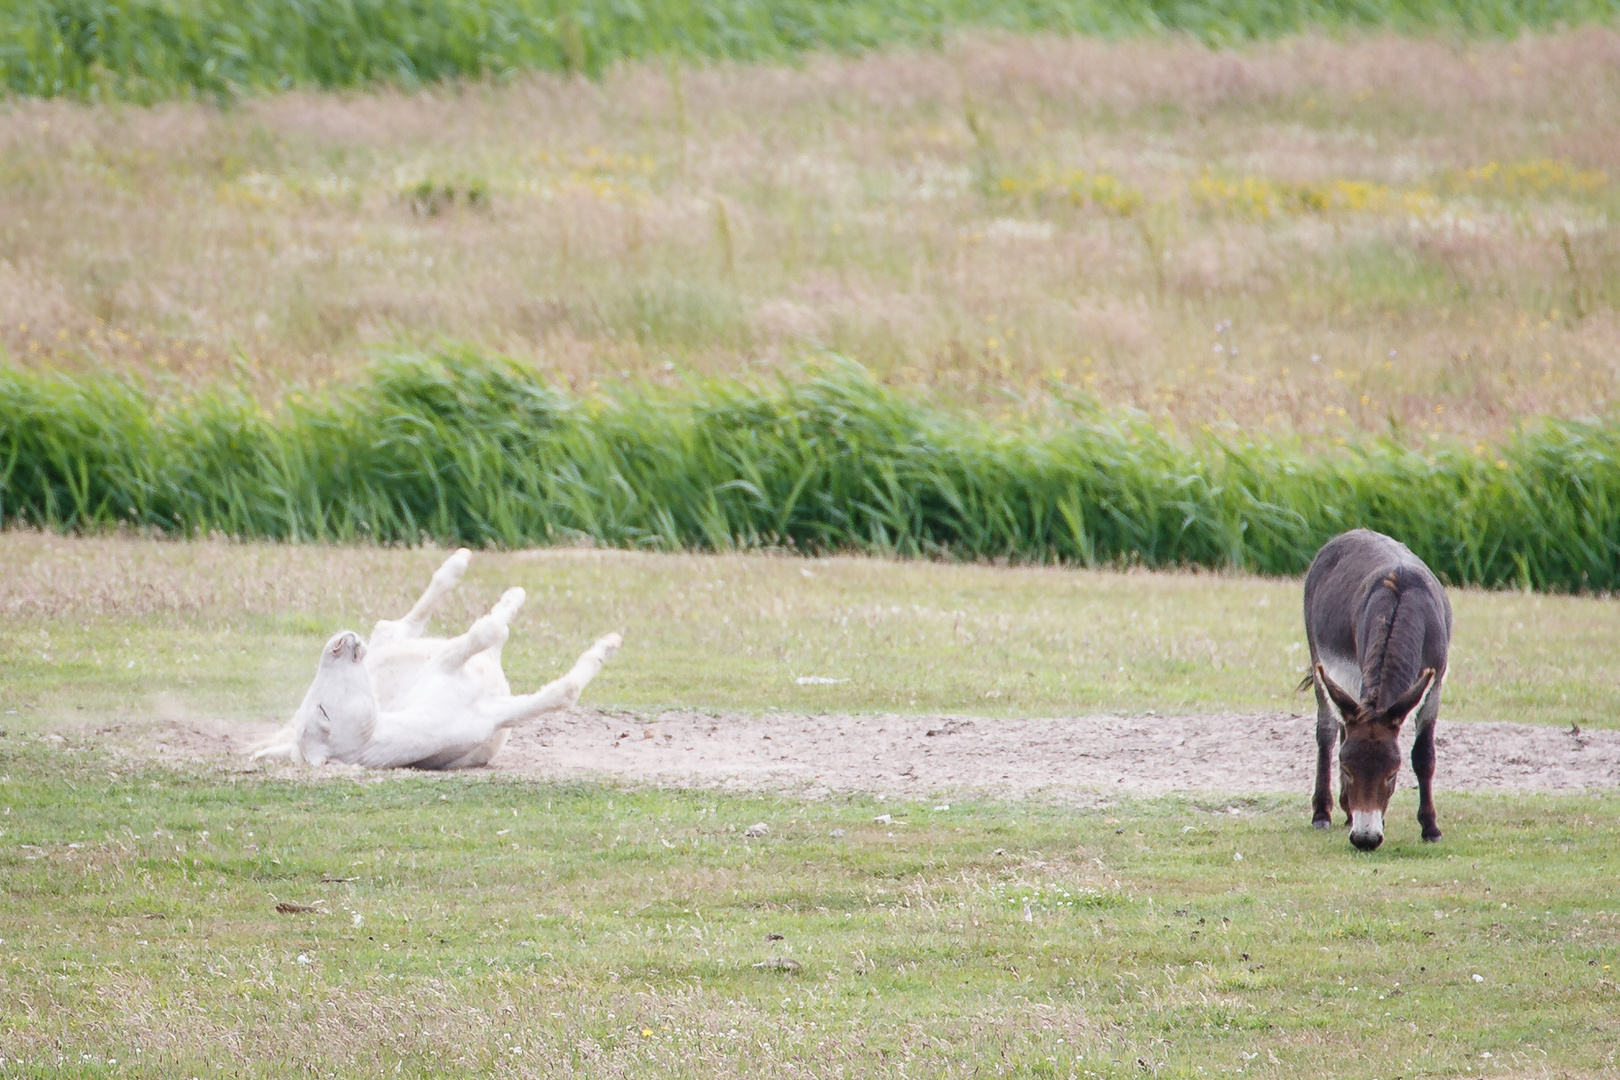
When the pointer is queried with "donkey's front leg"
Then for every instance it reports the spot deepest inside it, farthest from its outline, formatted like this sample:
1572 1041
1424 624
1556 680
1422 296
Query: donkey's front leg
1327 733
1423 765
414 623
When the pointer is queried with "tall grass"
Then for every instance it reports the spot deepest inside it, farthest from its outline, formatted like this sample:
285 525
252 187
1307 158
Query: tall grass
150 49
462 449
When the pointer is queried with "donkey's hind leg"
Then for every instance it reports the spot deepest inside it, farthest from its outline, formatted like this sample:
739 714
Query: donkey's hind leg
1327 733
559 693
414 624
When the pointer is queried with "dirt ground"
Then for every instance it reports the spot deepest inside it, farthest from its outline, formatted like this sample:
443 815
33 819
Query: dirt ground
1081 757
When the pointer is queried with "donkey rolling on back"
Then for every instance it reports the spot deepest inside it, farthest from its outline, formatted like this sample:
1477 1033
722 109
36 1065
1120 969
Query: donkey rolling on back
1379 627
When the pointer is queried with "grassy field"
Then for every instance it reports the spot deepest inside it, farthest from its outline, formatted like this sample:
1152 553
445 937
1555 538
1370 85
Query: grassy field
1406 236
472 925
123 630
1313 237
464 926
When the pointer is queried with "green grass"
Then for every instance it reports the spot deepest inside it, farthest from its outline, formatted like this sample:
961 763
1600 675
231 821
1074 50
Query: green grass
614 932
460 449
471 926
145 50
119 631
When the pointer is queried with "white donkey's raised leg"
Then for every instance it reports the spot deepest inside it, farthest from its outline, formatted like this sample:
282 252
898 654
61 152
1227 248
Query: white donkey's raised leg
414 624
488 634
503 611
559 693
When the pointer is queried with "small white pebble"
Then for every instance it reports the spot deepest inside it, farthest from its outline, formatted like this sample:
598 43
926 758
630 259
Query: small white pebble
1479 978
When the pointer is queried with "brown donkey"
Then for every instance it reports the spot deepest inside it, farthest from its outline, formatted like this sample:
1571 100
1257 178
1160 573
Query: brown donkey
1379 627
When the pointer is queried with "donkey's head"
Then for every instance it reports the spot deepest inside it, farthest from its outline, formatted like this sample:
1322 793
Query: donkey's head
1369 753
339 711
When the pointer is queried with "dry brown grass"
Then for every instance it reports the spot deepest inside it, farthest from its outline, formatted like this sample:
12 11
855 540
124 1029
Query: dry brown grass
981 220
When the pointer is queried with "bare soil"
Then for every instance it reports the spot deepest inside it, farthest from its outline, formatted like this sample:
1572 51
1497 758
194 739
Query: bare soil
898 755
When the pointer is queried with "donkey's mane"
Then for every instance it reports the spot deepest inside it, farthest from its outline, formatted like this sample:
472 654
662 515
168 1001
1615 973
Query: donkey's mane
1395 652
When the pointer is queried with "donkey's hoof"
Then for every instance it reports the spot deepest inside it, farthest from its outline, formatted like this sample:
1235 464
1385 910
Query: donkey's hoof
1431 838
1321 823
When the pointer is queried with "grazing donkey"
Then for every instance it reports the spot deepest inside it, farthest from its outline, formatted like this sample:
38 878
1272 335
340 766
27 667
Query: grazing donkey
1379 627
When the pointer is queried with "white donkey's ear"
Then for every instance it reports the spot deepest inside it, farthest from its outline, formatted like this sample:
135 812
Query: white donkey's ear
1339 700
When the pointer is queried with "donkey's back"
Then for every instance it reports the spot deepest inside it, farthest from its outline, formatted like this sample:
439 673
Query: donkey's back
1375 615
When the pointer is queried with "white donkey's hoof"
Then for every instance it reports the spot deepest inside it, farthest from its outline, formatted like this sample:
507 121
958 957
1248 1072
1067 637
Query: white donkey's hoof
608 644
509 604
451 571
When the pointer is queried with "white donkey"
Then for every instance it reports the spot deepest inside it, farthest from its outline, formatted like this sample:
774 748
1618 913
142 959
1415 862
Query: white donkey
419 702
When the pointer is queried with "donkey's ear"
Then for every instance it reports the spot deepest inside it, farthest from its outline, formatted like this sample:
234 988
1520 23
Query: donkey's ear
1411 701
1345 705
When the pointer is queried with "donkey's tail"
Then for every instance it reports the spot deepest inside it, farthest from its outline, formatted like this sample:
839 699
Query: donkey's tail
1306 682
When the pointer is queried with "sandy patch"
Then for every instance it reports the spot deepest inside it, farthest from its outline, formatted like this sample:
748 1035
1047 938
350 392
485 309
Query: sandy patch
897 755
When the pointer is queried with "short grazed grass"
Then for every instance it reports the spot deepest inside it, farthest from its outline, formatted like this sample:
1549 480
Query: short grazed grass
1403 236
118 629
475 925
469 926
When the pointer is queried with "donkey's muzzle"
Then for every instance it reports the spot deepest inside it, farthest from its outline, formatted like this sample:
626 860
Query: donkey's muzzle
1366 829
